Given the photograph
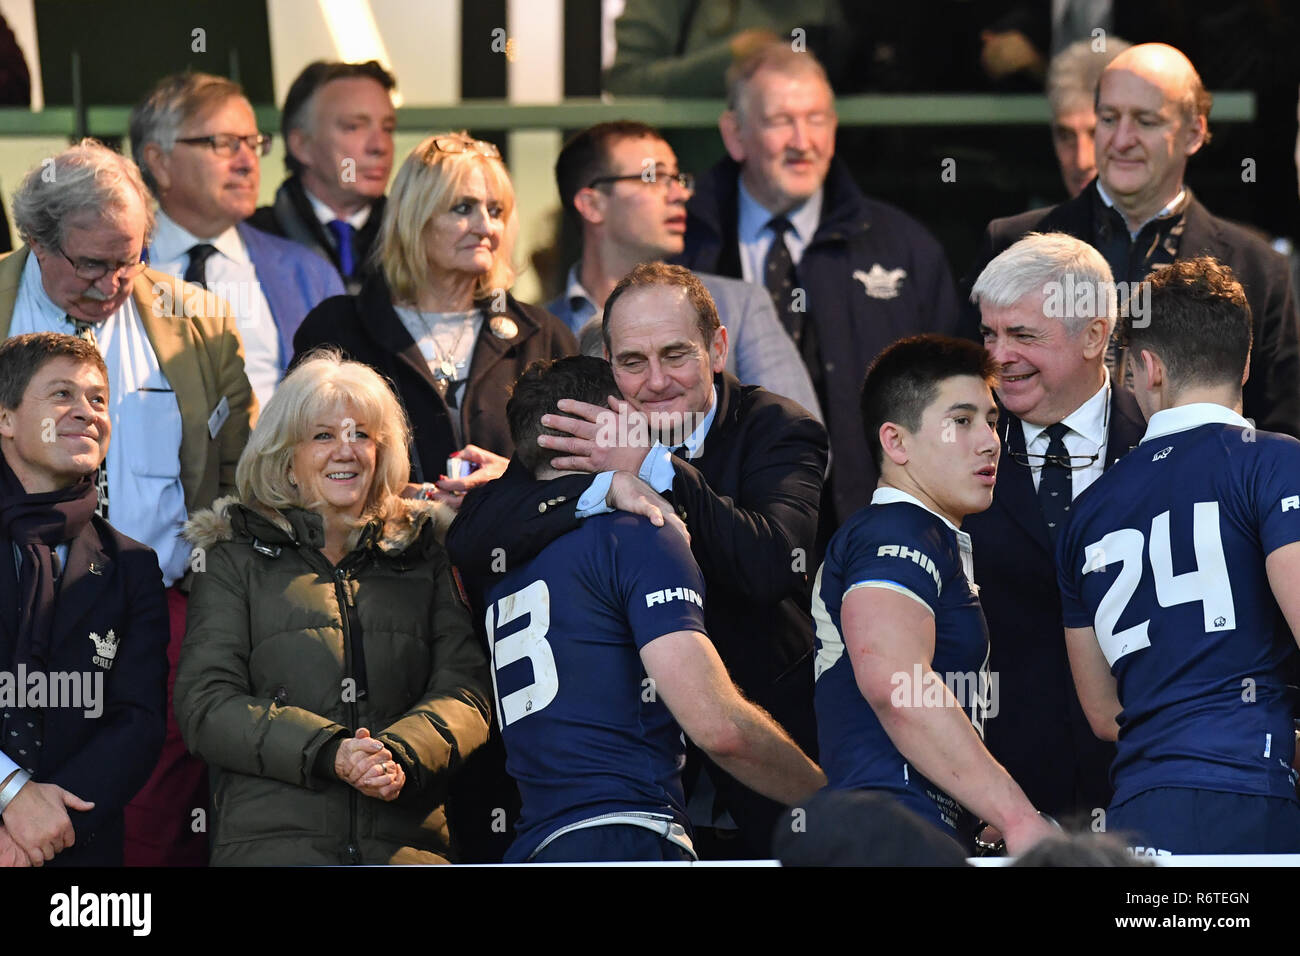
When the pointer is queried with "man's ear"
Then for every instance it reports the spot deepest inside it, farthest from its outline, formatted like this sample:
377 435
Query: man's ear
6 423
718 350
729 127
590 204
1196 131
158 163
893 441
296 143
1095 338
1153 368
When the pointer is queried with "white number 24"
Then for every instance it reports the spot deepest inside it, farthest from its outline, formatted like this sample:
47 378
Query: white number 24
1208 584
530 642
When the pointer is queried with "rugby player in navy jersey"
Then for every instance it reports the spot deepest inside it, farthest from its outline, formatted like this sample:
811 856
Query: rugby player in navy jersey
902 650
600 662
1180 573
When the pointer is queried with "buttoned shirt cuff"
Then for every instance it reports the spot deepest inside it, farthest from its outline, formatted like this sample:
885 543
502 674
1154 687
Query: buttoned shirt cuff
657 469
592 501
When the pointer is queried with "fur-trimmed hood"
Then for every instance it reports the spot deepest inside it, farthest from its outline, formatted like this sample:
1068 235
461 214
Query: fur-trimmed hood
229 517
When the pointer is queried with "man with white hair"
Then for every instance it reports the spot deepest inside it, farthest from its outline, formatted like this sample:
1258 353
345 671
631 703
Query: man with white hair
180 403
198 146
1152 117
1062 423
1071 91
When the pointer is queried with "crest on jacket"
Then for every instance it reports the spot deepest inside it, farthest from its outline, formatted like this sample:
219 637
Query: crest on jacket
105 649
881 283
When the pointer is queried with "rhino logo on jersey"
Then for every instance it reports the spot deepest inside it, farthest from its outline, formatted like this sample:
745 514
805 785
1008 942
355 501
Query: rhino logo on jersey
1162 453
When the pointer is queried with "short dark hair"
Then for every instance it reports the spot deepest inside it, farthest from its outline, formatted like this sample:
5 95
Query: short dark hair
315 75
586 156
538 392
906 377
661 273
22 356
1199 323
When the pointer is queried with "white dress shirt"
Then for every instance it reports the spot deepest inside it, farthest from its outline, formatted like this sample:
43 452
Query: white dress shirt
144 464
230 276
1088 425
756 238
326 215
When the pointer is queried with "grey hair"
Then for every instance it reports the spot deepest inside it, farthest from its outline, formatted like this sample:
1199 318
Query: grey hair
85 178
1073 74
778 56
1051 263
159 116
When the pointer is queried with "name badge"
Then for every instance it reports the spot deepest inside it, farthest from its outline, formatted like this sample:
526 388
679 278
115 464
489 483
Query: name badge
218 417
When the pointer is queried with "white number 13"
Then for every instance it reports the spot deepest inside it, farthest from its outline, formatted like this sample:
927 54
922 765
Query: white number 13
1208 584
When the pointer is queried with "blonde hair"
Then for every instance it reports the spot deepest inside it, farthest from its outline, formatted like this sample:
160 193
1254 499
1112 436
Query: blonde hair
324 381
428 184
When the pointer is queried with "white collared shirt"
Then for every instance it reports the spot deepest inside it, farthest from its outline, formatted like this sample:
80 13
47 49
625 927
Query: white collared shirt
1087 435
231 276
889 495
146 498
1182 417
326 215
756 238
1133 233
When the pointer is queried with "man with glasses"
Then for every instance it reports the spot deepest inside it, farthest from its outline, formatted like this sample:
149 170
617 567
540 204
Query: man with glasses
337 124
848 275
1062 424
620 184
196 140
180 403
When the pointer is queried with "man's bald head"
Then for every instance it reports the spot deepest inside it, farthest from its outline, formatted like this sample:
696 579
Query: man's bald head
1168 68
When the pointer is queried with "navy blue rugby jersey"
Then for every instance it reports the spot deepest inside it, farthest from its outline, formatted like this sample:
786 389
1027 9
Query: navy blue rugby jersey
899 544
1164 558
585 732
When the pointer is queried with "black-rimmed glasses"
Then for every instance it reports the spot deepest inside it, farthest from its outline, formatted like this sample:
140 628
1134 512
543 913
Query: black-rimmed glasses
227 144
92 270
685 180
1072 462
456 144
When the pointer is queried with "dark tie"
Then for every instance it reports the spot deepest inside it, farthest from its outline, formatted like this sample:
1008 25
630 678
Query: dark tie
86 330
1056 481
779 279
197 270
344 233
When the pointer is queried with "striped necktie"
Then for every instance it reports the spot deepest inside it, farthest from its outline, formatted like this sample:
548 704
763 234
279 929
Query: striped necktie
86 330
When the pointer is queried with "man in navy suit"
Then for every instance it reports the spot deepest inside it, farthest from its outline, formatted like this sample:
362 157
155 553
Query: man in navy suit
196 141
1152 117
1062 423
82 607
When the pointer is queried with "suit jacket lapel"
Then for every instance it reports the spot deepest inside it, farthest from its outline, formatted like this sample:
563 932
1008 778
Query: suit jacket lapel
1127 426
1015 491
276 286
84 581
168 333
11 274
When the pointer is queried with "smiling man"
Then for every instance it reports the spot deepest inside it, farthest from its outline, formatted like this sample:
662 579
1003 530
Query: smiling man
199 149
1062 424
903 685
1152 117
620 183
848 275
79 598
180 402
745 474
338 125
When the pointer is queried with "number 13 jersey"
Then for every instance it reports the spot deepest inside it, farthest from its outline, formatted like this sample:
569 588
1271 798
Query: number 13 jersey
1164 558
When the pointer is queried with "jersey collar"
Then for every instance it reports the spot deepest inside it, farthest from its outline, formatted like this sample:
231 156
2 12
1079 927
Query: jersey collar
1182 417
885 495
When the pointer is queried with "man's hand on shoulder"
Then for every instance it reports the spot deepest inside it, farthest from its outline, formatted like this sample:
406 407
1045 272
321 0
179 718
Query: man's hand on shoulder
629 493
